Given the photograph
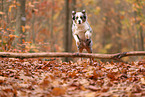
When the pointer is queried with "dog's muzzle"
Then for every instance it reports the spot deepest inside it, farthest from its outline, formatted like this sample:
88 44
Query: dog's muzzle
79 21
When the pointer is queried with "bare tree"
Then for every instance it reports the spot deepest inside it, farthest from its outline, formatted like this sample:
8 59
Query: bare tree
33 21
51 28
2 22
20 23
67 33
140 39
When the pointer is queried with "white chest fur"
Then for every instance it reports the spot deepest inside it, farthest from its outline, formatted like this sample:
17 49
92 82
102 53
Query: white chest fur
80 29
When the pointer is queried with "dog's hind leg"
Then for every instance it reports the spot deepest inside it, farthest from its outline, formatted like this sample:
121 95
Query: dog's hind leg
80 46
89 48
80 51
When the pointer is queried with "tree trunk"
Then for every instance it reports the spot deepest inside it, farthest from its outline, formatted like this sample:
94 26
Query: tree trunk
20 23
106 32
15 33
33 21
6 6
5 25
2 2
119 28
2 9
67 39
51 28
139 27
141 38
70 25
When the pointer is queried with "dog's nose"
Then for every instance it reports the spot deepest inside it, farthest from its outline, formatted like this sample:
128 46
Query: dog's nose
79 21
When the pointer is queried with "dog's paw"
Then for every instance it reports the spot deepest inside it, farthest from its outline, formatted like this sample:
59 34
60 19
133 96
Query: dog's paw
88 34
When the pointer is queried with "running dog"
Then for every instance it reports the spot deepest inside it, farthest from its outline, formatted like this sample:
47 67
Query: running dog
82 31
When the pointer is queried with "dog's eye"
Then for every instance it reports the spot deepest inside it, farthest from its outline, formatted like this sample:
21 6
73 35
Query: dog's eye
81 17
76 17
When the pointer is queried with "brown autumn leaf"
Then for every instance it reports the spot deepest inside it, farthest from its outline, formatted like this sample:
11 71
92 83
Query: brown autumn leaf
2 79
105 89
72 74
58 91
90 94
83 88
95 75
143 81
93 88
35 77
112 76
136 89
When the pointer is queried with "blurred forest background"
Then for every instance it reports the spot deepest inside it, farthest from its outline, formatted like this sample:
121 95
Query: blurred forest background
45 25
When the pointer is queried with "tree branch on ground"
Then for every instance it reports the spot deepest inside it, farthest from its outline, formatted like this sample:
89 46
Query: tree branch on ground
116 56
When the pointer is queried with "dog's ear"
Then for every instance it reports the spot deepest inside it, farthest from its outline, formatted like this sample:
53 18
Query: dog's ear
84 12
73 15
73 12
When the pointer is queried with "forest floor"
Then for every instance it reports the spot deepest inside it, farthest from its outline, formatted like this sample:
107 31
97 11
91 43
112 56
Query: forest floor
35 77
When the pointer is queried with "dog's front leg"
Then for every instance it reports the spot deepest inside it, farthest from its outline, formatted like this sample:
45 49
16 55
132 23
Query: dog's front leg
79 43
88 34
77 40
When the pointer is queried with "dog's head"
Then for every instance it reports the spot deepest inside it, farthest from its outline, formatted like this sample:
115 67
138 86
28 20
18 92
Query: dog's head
79 17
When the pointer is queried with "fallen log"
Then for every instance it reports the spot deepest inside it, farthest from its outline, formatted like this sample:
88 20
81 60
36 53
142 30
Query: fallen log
116 56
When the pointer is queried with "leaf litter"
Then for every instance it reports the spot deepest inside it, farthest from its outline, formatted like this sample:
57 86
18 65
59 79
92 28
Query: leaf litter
36 77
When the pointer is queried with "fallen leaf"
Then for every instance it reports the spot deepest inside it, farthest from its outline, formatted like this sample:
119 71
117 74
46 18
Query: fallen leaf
90 94
93 88
2 79
58 91
143 81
